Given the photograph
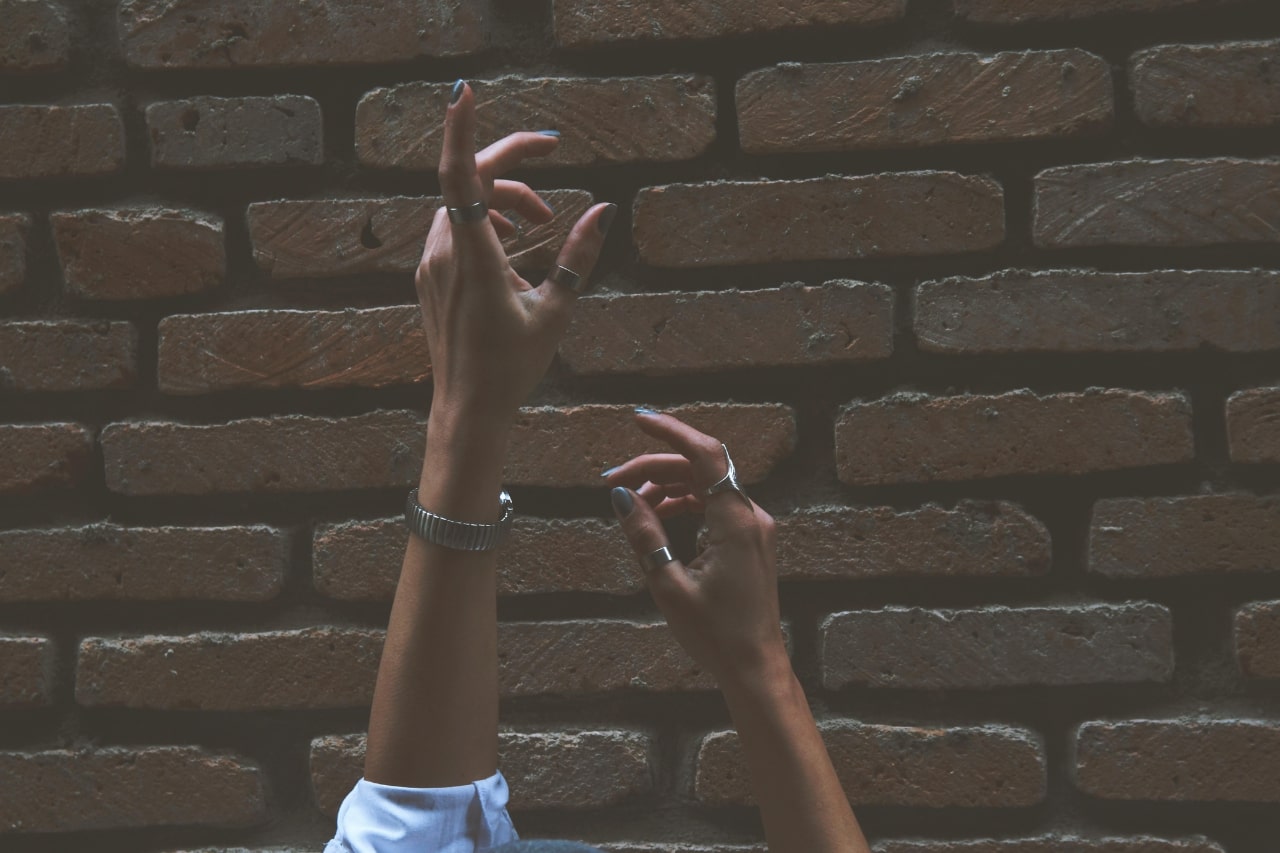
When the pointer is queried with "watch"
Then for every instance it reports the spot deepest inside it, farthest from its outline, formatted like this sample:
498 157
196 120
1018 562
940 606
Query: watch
459 535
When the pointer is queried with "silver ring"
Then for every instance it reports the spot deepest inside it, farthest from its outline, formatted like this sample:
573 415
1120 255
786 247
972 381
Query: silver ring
468 213
729 482
567 277
659 558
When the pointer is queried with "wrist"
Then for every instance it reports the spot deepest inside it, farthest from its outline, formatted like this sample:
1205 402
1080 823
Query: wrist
462 465
769 678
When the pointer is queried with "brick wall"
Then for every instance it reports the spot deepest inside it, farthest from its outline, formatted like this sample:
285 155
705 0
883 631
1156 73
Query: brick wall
985 297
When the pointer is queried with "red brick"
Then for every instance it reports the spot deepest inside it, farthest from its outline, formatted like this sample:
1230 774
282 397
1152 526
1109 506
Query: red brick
913 438
34 37
280 33
360 560
974 766
545 770
912 647
665 333
26 668
1188 759
1055 843
1207 85
330 237
1253 425
1088 311
831 218
612 120
370 348
1032 11
43 456
13 250
79 790
915 101
322 667
1158 203
108 562
1193 535
216 133
139 253
54 142
587 23
975 539
1257 639
67 355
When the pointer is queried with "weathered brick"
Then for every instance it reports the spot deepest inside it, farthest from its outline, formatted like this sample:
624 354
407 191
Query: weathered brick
370 347
13 250
676 847
911 438
1253 425
913 647
139 253
65 790
1257 639
1207 85
663 333
1033 11
67 355
831 218
1196 534
1089 311
280 33
975 539
545 770
611 120
360 560
109 562
43 456
215 133
1158 203
1055 843
1187 759
586 23
975 766
26 671
933 99
53 142
330 237
34 37
322 667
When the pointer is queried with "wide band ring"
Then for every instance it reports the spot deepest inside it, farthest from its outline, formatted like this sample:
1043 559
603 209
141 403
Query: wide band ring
729 482
659 558
468 213
567 277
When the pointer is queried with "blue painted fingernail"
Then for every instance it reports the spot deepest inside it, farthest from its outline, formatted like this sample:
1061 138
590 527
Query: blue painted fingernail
554 133
609 471
645 410
457 91
622 501
606 218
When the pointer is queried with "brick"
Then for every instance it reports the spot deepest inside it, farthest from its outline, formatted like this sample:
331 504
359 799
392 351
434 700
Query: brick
139 253
270 349
26 670
545 770
108 562
1158 203
918 648
917 101
65 790
13 250
221 133
34 37
975 539
1256 634
611 120
831 218
1055 843
1207 85
973 766
914 438
1087 311
1253 425
309 668
67 355
53 142
1036 11
331 237
43 456
587 23
1188 759
360 560
280 33
1220 534
666 333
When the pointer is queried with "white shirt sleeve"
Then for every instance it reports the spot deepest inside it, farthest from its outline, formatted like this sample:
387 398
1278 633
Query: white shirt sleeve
378 818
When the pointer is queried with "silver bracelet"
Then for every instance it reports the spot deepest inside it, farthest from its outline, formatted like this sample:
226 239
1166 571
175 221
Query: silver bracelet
459 535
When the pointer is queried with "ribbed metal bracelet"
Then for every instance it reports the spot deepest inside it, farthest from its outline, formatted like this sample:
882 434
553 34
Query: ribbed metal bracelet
458 535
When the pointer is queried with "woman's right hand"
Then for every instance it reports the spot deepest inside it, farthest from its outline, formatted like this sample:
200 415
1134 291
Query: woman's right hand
723 606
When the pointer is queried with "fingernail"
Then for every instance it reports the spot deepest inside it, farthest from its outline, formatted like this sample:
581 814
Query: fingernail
554 133
645 410
606 218
457 91
622 501
609 471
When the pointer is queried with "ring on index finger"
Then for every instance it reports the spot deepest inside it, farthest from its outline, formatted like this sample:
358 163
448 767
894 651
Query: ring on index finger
729 482
468 213
567 277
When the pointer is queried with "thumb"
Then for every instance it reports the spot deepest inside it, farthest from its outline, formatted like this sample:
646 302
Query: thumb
668 581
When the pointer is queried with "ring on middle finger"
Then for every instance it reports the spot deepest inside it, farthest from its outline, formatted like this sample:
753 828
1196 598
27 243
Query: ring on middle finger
468 213
567 277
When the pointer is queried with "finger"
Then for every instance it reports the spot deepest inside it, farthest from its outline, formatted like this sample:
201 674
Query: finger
513 195
459 181
656 493
687 505
507 153
501 224
652 468
643 529
705 453
579 254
